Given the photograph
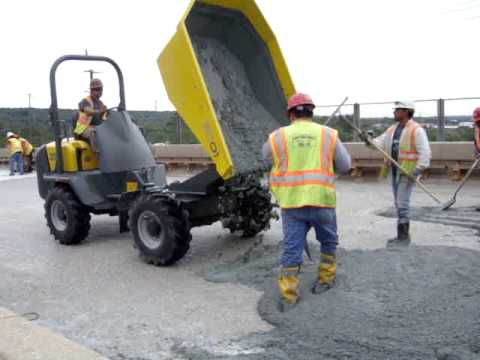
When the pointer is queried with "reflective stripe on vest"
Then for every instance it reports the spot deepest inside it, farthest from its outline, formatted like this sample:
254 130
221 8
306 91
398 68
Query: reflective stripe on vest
407 155
302 172
84 120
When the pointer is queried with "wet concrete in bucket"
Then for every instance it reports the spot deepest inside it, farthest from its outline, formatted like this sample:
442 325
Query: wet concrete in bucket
245 123
400 303
466 217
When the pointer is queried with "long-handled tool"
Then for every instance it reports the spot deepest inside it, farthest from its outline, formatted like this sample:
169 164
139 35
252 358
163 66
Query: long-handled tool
336 111
452 201
389 158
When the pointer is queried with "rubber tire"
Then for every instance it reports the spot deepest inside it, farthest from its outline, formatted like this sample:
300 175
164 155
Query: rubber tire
78 216
175 226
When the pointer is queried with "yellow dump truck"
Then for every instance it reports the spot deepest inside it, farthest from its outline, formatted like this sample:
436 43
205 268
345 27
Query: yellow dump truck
225 74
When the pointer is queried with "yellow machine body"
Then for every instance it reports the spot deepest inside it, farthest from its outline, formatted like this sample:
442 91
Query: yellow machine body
188 89
77 156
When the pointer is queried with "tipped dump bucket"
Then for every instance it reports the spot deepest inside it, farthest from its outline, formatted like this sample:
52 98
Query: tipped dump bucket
225 74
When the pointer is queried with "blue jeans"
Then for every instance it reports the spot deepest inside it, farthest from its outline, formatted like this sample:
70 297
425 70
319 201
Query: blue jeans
402 192
296 224
16 163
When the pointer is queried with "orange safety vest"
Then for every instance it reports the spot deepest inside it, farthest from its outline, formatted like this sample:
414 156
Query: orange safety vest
408 154
84 120
303 172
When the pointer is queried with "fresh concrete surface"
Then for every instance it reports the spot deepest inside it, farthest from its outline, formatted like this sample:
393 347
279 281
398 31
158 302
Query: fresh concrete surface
100 295
23 340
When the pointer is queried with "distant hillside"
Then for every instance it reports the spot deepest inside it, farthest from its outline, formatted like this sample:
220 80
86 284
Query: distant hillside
161 126
34 124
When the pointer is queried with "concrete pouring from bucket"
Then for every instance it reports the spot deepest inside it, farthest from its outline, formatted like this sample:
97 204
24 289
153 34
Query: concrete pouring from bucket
245 123
405 303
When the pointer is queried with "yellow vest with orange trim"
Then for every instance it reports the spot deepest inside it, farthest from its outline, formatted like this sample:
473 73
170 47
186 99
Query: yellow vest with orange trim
84 120
303 172
407 155
14 146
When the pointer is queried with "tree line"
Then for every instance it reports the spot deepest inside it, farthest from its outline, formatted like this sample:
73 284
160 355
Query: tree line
168 127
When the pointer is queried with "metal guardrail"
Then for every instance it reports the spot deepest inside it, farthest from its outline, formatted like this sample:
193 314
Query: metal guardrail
440 111
450 157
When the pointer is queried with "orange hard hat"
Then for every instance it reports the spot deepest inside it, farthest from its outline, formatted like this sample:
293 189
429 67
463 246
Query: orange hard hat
300 99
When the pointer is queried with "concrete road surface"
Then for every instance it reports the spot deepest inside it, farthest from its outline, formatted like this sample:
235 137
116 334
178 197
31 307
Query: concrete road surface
101 295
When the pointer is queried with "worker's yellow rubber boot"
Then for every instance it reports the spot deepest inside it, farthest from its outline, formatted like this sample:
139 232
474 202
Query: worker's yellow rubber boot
289 284
327 273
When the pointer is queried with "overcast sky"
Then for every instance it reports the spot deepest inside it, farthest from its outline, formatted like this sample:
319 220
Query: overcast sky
370 50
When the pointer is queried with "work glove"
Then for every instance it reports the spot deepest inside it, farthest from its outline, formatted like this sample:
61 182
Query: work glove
365 137
417 173
477 152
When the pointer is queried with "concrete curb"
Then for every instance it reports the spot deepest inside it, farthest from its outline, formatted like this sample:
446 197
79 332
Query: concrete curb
21 339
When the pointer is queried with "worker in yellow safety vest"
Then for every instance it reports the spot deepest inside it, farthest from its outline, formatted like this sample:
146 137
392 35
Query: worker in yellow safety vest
92 112
407 143
305 158
15 152
27 150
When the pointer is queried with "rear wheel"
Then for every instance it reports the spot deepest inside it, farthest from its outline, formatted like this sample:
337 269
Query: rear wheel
160 229
67 218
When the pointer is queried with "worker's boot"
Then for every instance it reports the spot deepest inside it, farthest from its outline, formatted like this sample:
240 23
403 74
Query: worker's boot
327 273
403 235
289 284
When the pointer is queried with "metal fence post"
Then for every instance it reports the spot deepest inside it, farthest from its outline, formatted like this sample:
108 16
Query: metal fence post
356 120
441 120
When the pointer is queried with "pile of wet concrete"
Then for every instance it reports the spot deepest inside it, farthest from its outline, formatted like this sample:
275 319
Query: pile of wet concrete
245 123
400 303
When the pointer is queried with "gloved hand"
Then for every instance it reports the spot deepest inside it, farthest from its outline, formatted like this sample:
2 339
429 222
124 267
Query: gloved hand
365 137
418 173
477 152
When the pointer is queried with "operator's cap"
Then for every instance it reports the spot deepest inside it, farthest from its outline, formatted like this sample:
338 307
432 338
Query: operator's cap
96 84
404 104
10 134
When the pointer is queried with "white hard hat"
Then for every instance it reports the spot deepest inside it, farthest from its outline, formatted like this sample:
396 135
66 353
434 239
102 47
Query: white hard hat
405 104
10 134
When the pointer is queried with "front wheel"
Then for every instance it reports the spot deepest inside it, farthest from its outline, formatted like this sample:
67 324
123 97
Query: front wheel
67 218
160 229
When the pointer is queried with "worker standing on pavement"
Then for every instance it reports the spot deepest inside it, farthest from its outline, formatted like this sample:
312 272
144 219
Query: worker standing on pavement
27 150
92 112
306 157
407 142
14 147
